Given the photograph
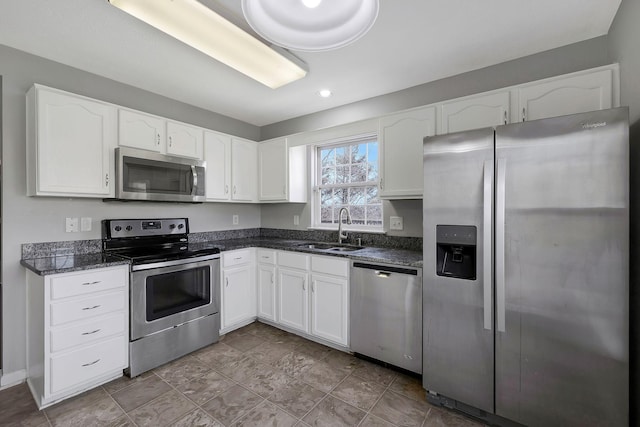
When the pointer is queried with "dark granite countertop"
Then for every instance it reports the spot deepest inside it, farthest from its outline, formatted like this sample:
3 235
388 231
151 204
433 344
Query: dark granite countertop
69 263
371 254
55 264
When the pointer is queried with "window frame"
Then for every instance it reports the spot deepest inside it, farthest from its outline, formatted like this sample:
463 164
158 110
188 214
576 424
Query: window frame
316 170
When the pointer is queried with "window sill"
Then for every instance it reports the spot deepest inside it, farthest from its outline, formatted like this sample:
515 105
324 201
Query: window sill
349 230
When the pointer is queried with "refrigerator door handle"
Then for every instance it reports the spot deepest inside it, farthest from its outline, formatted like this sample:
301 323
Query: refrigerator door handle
500 245
487 232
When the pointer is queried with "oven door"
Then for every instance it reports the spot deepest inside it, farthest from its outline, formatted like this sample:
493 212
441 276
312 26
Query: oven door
166 296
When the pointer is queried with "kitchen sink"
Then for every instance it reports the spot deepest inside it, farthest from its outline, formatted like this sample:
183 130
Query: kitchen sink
330 247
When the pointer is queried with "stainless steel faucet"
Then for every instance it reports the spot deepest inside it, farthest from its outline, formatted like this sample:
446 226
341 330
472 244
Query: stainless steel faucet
342 235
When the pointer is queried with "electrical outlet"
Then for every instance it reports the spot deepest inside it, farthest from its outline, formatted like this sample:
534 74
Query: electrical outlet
296 220
395 223
71 225
85 223
236 220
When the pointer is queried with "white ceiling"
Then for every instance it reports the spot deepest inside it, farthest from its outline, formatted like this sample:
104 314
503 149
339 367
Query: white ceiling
412 42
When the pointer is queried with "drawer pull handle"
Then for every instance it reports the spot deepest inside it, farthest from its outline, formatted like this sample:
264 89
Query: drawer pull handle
265 257
91 283
91 308
92 363
92 332
238 259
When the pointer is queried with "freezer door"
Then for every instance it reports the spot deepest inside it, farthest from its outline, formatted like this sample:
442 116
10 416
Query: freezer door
561 266
457 299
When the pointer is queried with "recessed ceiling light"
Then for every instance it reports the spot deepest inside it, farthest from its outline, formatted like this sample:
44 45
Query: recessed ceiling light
311 3
325 93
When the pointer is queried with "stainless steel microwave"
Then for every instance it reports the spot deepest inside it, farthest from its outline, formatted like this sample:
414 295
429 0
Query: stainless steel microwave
144 175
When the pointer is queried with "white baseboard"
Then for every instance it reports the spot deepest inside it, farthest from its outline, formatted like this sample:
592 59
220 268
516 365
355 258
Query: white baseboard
12 378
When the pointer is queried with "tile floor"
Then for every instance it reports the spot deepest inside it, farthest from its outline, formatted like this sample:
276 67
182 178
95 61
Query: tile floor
255 376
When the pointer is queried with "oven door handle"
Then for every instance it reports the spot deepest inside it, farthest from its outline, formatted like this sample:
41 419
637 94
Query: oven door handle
194 180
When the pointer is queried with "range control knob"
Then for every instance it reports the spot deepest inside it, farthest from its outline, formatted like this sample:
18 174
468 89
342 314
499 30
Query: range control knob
180 226
117 228
129 228
172 226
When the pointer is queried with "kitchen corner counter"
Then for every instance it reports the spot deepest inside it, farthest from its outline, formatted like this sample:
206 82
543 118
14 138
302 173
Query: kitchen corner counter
68 263
368 254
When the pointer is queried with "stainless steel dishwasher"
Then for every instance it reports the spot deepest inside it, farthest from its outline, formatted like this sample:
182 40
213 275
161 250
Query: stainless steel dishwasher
386 314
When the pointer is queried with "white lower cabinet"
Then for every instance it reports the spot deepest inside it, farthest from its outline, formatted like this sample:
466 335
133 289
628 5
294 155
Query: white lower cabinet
77 331
238 290
313 296
293 290
266 285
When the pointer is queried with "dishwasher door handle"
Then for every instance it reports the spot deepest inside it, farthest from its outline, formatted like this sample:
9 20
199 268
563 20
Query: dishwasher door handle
381 273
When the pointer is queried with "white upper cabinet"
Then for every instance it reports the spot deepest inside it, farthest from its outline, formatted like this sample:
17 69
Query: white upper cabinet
401 137
474 112
70 142
244 170
576 93
283 172
139 130
184 140
272 164
231 168
217 154
153 133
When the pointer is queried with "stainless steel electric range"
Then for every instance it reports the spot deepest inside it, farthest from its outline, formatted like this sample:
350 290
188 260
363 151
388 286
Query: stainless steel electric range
174 300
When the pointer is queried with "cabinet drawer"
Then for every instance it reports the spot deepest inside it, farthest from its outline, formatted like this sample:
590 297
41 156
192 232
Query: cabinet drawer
87 363
85 308
330 265
86 282
230 259
88 331
293 260
266 257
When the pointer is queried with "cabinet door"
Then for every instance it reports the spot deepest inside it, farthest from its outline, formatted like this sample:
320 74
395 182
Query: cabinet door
474 113
139 130
217 154
184 140
75 138
568 95
244 174
238 291
273 166
293 299
267 292
401 138
329 308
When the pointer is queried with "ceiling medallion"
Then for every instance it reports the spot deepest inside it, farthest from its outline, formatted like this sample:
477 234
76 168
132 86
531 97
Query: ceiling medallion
311 25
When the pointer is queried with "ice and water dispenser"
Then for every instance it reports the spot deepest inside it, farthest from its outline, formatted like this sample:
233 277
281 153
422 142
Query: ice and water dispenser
456 251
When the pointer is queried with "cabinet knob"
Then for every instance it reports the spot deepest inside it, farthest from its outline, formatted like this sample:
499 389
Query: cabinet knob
170 141
235 190
524 114
505 117
226 189
226 282
381 183
158 139
106 180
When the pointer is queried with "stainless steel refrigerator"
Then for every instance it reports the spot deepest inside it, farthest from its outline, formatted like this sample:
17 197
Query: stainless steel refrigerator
526 264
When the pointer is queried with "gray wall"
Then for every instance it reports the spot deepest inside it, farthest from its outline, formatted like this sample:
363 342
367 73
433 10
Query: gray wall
623 48
28 219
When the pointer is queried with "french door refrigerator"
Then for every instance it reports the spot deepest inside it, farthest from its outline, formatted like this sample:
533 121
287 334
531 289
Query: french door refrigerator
526 260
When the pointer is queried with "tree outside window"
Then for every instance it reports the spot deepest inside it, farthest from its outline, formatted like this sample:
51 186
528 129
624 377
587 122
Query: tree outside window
348 177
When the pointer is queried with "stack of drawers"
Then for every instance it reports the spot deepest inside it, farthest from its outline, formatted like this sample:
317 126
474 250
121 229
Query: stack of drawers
81 338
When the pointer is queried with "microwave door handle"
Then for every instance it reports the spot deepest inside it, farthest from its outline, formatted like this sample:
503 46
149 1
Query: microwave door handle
194 181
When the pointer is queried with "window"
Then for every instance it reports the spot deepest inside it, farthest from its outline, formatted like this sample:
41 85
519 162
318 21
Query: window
347 176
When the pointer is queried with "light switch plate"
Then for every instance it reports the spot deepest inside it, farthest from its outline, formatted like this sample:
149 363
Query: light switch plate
296 220
71 225
85 223
395 223
236 219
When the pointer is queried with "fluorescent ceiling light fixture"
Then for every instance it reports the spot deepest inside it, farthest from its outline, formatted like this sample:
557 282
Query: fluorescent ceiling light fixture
296 25
201 28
